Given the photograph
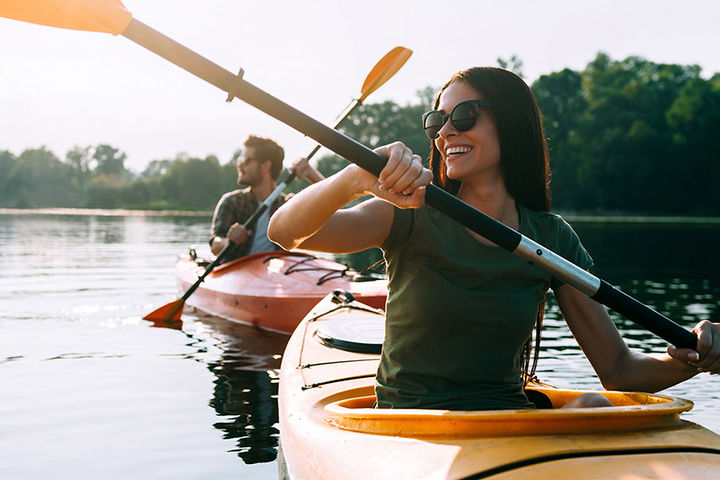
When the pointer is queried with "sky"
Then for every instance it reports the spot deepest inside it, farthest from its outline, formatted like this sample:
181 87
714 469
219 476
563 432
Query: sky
62 88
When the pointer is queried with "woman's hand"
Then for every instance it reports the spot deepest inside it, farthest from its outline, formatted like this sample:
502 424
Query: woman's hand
403 179
706 358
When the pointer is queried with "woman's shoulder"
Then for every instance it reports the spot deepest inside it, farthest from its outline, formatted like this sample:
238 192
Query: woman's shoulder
539 217
551 230
544 224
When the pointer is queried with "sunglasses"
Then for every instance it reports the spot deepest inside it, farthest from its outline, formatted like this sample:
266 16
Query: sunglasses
462 117
247 160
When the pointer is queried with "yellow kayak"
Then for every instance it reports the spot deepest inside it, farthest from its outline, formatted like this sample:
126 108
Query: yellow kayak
329 430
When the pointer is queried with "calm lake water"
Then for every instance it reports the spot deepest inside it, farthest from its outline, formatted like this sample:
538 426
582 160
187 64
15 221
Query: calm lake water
90 390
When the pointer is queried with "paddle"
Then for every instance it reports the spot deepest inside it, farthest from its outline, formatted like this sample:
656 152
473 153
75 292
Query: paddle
172 311
113 18
381 73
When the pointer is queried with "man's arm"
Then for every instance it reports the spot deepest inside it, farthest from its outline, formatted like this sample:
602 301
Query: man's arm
303 169
237 234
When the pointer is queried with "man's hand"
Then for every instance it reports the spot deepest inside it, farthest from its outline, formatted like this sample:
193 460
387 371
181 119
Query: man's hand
304 170
238 234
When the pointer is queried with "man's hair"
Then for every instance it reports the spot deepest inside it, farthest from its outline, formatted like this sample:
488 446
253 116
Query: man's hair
267 150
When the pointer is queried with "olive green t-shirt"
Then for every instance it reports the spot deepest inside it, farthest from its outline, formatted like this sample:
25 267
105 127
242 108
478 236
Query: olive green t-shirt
460 311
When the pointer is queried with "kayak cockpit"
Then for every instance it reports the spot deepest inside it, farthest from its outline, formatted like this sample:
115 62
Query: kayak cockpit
630 411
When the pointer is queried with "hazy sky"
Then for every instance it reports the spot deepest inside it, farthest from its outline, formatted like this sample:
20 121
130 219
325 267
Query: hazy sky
62 88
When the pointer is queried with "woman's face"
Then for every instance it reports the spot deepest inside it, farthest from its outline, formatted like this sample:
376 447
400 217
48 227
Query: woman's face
474 154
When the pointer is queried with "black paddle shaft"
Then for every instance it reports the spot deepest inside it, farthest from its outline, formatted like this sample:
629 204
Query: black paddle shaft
435 197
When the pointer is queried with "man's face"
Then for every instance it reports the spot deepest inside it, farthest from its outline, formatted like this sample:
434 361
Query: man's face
248 168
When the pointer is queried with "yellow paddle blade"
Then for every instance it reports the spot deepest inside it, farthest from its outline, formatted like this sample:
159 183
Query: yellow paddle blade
384 70
107 16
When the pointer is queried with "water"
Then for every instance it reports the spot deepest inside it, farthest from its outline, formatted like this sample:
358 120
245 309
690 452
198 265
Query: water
90 390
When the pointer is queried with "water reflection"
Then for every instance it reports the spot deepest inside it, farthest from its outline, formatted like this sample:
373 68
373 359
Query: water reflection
248 402
246 385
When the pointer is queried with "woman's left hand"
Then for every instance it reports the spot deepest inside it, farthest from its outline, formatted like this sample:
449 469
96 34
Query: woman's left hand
403 180
706 357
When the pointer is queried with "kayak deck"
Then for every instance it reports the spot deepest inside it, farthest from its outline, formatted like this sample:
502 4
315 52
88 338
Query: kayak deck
330 430
272 290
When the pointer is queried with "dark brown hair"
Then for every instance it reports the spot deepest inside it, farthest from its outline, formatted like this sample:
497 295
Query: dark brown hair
523 150
267 150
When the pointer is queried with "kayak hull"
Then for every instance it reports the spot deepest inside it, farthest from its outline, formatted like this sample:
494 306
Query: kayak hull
272 290
328 428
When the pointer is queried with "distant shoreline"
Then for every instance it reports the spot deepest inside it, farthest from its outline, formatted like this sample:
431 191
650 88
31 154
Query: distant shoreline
105 212
642 219
571 218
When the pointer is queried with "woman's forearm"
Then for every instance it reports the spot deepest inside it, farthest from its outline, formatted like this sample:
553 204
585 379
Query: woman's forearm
647 373
309 210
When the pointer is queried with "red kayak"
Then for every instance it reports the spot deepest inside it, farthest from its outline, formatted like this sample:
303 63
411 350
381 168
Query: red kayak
273 290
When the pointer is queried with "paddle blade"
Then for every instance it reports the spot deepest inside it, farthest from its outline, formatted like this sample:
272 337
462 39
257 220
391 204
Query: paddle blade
384 70
167 313
106 16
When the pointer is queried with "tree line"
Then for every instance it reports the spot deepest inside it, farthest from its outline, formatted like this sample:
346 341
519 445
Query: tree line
625 136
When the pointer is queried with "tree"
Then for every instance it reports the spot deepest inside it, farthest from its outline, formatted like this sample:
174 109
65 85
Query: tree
194 183
79 159
694 118
108 160
561 99
9 187
157 168
40 180
514 64
614 145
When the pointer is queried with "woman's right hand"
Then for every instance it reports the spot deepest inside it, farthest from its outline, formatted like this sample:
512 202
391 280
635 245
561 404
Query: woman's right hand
403 179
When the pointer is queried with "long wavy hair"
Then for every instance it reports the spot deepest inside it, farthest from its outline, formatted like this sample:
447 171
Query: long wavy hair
524 158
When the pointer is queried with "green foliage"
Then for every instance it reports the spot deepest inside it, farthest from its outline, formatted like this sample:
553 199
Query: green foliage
632 136
103 191
514 64
376 124
36 178
108 160
196 183
10 194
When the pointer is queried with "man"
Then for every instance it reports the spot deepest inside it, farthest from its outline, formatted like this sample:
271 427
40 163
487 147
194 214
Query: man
258 167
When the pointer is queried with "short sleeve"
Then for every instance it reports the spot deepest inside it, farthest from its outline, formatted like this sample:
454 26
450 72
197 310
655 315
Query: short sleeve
400 229
571 248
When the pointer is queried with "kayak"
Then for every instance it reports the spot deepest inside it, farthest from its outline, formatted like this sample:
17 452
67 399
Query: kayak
272 290
329 428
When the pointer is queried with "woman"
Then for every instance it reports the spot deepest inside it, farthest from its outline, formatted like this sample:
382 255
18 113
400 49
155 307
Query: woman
460 309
